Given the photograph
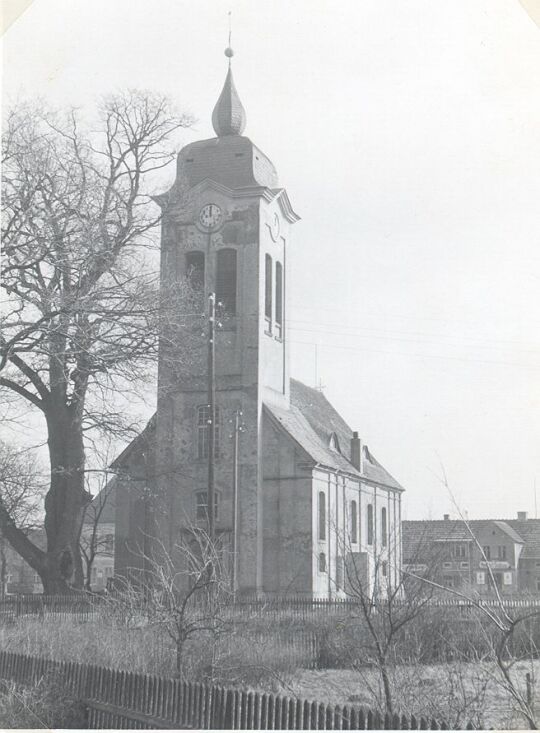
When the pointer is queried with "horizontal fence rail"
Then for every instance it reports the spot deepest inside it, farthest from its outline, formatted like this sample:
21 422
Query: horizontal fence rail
86 606
120 699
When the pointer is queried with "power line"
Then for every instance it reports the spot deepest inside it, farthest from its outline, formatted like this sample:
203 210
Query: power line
420 356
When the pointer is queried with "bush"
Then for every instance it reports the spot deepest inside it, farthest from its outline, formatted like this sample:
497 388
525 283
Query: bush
44 706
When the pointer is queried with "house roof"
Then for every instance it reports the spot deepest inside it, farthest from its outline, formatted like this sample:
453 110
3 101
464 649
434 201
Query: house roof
312 421
141 441
103 505
529 530
417 534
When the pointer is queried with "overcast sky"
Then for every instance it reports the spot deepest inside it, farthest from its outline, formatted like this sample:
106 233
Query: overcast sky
407 136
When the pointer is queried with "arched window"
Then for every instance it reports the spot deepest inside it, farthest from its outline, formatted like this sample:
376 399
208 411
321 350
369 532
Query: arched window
370 524
322 515
226 276
384 529
268 290
195 269
322 562
354 522
279 299
203 426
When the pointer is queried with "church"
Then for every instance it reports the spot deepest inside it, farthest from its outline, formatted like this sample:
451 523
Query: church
298 498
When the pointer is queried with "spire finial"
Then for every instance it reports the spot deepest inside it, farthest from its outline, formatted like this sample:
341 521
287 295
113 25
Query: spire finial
229 116
229 53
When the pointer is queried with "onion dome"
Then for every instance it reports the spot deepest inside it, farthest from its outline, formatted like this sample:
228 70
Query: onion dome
229 116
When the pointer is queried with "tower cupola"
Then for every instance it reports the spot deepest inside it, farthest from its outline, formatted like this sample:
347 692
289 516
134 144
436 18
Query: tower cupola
229 115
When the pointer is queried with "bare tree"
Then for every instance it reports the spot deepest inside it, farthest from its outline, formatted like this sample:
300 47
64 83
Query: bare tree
383 608
507 635
82 311
93 540
183 592
22 486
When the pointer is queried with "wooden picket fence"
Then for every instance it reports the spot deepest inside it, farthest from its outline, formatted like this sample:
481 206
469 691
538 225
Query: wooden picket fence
302 608
120 699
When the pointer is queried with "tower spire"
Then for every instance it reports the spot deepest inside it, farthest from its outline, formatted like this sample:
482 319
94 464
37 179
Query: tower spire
229 116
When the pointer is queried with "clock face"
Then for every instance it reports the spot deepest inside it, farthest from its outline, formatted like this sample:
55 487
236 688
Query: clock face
274 229
210 216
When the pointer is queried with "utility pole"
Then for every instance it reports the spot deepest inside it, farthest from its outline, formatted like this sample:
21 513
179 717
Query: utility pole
211 415
234 573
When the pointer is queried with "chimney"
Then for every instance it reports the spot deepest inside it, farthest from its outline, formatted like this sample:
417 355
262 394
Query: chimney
446 517
356 452
522 516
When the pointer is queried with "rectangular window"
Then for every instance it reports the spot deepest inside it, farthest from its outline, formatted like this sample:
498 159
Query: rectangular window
203 426
109 571
448 581
464 565
226 280
507 578
487 552
354 522
384 529
279 299
460 551
384 568
370 524
480 578
447 565
202 505
268 292
322 515
195 269
501 552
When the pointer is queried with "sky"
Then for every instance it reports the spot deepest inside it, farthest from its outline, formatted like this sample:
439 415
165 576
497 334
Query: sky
406 135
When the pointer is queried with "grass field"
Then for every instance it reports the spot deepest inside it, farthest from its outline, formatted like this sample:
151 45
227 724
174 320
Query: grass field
454 692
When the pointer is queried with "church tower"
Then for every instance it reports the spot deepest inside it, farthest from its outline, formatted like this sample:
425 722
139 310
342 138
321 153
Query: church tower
226 230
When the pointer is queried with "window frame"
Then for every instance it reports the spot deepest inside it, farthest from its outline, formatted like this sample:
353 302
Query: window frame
369 520
225 293
203 428
268 294
278 319
384 526
199 516
192 268
354 521
321 516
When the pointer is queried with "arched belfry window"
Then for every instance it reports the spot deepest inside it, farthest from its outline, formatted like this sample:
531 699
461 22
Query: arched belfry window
279 299
226 276
195 269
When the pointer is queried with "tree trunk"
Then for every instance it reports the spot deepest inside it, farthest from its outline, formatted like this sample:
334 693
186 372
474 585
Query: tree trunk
65 502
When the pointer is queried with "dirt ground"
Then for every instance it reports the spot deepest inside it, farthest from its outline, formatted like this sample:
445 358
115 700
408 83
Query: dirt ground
457 694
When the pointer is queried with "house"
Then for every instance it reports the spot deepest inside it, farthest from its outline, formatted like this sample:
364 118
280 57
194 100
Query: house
16 576
97 544
97 537
475 555
297 494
